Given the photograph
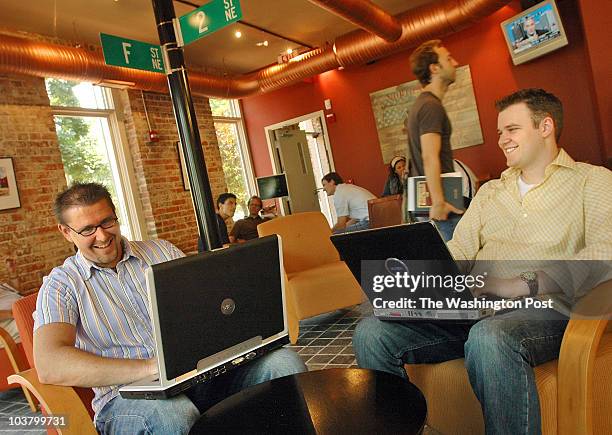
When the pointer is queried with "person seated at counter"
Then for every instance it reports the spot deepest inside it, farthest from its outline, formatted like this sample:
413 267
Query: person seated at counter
350 202
226 207
246 229
544 207
395 181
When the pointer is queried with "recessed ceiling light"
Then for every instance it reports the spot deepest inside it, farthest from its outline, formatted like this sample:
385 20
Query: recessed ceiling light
262 44
238 34
289 51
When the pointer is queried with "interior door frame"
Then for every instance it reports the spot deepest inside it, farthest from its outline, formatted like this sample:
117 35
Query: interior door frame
269 131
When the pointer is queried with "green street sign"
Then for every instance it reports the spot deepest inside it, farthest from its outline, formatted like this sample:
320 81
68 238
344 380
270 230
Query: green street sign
131 54
207 19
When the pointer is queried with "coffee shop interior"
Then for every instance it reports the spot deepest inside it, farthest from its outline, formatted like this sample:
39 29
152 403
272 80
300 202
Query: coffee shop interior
301 88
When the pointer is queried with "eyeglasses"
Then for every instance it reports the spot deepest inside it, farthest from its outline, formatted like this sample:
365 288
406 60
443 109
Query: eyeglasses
91 230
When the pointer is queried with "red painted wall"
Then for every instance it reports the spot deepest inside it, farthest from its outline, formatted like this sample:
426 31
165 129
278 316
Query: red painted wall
353 137
597 19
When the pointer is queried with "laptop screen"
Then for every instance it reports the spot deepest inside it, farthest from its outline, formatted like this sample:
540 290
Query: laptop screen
212 301
418 241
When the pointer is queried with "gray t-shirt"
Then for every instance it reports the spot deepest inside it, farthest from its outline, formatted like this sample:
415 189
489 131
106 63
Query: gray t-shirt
428 115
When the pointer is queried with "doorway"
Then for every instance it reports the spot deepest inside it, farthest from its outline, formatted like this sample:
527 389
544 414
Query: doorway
300 148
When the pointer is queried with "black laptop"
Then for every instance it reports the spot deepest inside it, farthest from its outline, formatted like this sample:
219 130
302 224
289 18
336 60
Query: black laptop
408 273
213 312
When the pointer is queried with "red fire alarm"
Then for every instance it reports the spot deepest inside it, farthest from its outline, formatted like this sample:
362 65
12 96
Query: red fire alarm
331 117
153 136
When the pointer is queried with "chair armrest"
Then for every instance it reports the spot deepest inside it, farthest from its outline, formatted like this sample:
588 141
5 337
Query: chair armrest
58 400
12 352
577 361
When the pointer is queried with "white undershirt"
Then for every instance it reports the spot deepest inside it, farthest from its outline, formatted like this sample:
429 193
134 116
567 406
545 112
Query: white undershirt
524 187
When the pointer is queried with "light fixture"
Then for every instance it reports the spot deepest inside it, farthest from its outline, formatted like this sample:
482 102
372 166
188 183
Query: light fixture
238 34
262 44
289 51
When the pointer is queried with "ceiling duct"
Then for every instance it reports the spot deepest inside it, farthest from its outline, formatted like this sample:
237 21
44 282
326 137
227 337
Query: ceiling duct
366 15
436 20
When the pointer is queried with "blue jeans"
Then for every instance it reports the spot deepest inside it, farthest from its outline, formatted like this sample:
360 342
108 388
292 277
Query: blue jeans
446 227
500 353
363 224
177 415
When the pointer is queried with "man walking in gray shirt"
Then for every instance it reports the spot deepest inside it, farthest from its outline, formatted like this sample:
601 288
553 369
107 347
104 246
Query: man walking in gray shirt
429 129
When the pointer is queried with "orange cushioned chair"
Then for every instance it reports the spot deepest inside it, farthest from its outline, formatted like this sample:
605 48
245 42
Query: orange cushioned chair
575 391
75 403
317 281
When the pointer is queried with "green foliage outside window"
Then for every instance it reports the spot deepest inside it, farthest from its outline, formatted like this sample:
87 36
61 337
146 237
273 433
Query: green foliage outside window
82 155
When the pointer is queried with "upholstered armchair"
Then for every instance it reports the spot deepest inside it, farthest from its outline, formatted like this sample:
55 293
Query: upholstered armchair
317 280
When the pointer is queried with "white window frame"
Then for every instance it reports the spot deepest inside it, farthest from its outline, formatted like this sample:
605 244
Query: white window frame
119 157
245 151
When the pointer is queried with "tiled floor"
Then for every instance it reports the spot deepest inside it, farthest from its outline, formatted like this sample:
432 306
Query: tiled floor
325 340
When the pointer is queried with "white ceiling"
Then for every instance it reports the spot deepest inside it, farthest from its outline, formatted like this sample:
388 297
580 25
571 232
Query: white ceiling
83 20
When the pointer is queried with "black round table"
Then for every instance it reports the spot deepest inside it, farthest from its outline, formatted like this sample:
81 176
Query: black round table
332 401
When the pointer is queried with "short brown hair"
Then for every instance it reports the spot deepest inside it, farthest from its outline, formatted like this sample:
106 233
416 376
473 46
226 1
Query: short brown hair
80 194
333 176
540 103
422 57
255 197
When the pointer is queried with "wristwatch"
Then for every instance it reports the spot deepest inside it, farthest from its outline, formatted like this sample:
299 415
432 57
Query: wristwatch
531 279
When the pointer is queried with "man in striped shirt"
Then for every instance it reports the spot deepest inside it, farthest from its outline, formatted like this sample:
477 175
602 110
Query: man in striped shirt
92 326
544 207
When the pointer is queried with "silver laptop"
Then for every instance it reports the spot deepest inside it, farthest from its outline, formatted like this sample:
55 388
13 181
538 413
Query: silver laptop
213 312
383 261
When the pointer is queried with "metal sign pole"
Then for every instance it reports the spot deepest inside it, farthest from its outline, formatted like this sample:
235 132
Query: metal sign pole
187 125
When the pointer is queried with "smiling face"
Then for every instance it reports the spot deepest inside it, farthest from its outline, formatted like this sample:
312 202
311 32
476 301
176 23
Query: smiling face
522 142
104 246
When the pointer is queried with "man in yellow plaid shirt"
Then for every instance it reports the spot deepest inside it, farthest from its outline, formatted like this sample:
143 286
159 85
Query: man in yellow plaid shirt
544 207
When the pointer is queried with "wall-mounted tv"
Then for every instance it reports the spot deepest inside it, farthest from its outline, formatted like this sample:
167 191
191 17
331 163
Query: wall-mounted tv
273 186
534 32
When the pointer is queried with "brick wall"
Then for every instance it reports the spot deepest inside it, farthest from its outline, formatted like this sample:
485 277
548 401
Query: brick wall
165 202
30 245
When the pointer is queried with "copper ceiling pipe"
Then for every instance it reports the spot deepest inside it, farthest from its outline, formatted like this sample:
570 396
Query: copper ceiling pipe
431 21
22 56
366 15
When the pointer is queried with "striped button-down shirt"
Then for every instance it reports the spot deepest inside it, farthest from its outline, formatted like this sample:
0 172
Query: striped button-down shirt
109 308
568 216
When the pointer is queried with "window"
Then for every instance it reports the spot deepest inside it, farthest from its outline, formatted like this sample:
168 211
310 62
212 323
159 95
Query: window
234 152
90 145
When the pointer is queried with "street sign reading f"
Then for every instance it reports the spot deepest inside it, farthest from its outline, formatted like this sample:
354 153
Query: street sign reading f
129 53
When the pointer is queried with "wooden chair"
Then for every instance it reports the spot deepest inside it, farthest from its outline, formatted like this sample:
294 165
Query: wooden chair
575 391
385 211
55 400
317 280
14 355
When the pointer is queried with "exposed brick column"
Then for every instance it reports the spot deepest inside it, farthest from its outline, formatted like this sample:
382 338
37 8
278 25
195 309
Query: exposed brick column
167 206
30 244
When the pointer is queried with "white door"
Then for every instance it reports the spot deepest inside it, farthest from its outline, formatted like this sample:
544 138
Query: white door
293 158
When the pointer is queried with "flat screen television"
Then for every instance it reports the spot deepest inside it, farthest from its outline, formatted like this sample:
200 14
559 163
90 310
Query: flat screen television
534 32
273 186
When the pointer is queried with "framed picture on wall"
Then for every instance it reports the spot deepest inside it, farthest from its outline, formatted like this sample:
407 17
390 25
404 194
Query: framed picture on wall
183 166
9 195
